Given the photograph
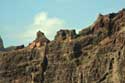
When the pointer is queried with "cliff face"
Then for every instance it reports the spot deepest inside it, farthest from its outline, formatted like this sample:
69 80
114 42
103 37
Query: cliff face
95 55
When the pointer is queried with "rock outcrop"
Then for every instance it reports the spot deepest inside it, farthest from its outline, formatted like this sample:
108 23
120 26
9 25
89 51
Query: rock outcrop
65 35
95 55
1 44
39 41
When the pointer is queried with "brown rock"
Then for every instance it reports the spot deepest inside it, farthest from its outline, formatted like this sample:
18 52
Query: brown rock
39 41
65 35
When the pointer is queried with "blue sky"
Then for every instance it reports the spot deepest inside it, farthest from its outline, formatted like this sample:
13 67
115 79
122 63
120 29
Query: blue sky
21 19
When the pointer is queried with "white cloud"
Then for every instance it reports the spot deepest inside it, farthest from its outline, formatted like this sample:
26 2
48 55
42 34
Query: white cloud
48 25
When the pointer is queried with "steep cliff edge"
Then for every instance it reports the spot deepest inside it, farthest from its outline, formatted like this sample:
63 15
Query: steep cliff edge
95 55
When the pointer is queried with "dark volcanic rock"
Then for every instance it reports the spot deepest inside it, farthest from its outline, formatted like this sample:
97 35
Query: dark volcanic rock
95 55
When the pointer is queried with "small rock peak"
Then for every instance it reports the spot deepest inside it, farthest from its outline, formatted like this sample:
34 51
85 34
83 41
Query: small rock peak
120 13
100 15
119 21
110 23
112 15
65 35
40 35
99 18
123 10
40 40
1 43
103 21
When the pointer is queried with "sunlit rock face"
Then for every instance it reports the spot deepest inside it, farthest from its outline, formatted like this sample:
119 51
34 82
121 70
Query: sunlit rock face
95 55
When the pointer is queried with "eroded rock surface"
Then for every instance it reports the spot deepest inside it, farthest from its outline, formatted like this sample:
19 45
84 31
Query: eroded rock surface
95 55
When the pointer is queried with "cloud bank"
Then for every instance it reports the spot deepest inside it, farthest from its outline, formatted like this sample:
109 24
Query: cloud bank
48 25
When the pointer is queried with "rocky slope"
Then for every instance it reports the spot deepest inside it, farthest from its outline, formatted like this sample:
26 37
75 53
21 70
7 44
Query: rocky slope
95 55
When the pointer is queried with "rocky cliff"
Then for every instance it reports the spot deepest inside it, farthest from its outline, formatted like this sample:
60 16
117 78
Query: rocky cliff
95 55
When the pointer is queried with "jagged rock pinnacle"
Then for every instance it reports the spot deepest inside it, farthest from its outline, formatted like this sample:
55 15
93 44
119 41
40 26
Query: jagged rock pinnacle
40 35
39 41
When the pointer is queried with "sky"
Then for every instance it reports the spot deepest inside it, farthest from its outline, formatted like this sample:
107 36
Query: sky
21 19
